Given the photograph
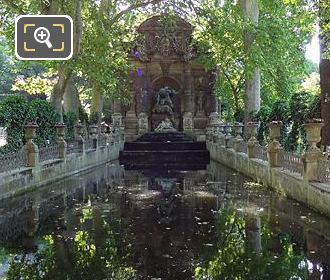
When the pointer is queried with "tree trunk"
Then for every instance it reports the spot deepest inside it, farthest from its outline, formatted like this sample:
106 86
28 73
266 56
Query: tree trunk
64 74
97 103
58 91
71 101
325 70
252 83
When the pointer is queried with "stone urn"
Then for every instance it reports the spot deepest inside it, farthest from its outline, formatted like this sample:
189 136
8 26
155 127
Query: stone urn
60 130
31 148
252 129
104 128
30 131
238 130
275 130
79 129
214 119
228 128
313 131
93 129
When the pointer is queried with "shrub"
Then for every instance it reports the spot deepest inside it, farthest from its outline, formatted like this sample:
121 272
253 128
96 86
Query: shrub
16 111
43 114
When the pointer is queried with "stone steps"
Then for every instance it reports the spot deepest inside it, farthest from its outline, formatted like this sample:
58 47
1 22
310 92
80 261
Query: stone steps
165 146
171 150
165 137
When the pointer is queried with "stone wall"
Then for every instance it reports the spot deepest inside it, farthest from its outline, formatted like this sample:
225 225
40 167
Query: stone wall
297 183
29 178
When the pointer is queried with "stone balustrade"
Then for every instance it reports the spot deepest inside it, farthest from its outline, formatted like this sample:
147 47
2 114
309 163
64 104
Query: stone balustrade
31 155
300 175
308 164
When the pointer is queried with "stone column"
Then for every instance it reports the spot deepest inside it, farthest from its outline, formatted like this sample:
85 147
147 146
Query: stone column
142 85
79 137
312 155
31 149
252 129
62 145
274 146
187 98
214 104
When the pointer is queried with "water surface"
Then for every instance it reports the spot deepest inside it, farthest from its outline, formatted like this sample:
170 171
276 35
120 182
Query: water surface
160 224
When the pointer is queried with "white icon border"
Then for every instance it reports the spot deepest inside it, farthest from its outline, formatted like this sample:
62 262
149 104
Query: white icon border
57 58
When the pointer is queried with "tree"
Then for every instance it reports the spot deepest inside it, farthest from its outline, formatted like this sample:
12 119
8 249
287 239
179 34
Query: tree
324 18
277 48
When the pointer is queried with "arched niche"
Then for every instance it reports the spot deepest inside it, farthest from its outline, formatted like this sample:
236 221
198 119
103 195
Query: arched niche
166 81
171 82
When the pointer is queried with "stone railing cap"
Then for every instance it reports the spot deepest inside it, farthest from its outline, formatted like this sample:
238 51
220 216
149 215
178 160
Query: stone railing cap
315 120
275 123
31 125
60 125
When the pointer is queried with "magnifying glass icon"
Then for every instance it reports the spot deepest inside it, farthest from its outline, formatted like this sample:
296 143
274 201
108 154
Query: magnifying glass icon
41 35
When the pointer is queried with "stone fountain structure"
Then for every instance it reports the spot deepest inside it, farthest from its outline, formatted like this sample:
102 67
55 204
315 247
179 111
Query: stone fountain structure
166 83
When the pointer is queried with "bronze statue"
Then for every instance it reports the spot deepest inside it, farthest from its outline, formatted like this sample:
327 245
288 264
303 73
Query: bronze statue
164 102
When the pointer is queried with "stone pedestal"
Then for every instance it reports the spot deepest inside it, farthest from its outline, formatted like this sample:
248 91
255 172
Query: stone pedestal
62 145
274 146
188 123
214 119
143 124
238 132
251 130
117 120
79 128
131 120
131 127
229 136
313 154
31 149
93 129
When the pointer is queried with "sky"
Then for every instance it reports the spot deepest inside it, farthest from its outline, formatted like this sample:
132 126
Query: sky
313 50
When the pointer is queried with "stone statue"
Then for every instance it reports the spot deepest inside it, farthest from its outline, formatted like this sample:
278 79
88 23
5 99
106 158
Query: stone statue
165 126
164 102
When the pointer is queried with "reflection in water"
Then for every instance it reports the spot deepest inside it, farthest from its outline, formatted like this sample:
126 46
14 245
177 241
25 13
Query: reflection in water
93 251
116 224
247 249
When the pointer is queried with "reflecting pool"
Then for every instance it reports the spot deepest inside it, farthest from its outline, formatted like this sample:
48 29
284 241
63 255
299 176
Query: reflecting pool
161 224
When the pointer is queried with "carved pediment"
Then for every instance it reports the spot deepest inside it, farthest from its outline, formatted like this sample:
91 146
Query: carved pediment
155 24
159 39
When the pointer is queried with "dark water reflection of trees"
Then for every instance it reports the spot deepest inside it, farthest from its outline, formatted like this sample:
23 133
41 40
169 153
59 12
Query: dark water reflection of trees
95 250
247 249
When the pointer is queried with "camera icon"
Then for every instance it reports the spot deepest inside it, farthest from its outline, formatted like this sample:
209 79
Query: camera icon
43 37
